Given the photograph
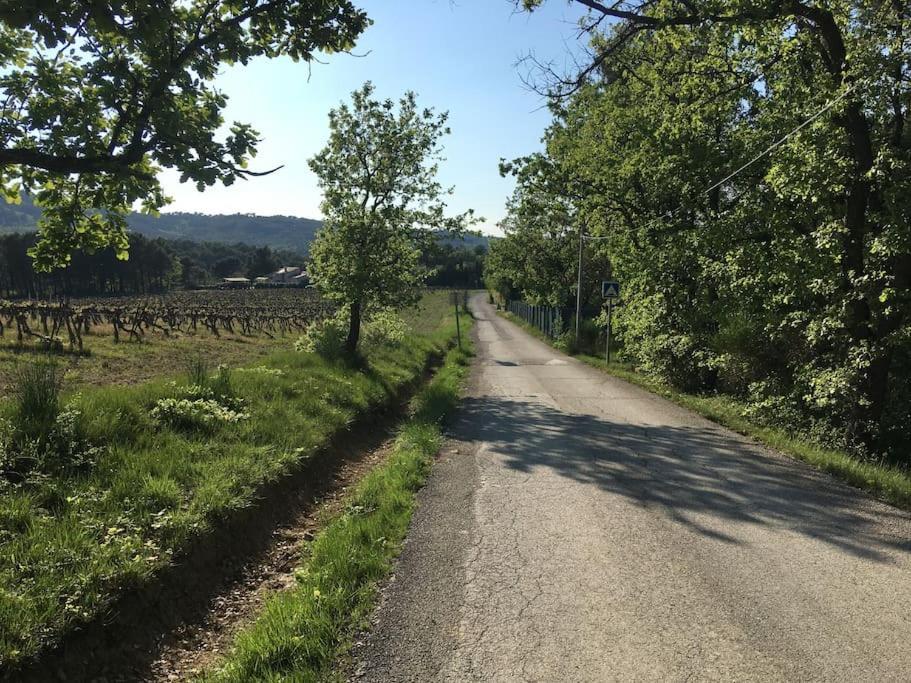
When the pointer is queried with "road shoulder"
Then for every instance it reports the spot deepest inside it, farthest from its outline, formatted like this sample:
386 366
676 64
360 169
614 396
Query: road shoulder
413 631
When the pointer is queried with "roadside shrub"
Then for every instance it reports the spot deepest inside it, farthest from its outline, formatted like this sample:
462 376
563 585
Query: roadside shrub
566 342
384 327
206 402
194 414
588 341
327 337
64 448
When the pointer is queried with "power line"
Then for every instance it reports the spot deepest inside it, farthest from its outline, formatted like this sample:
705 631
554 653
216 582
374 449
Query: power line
778 143
768 150
775 145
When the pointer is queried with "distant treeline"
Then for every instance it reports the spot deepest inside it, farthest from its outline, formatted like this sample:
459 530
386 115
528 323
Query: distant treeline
454 263
155 265
158 265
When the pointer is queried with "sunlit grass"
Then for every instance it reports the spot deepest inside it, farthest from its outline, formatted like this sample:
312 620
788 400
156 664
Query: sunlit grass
104 362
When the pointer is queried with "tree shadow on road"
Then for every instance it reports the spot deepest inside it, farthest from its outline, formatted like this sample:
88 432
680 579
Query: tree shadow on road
685 472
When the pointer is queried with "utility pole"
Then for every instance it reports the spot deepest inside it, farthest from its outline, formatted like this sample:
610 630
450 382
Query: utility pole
579 282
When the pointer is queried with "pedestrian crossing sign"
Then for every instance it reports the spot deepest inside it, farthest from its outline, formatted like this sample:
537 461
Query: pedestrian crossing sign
610 289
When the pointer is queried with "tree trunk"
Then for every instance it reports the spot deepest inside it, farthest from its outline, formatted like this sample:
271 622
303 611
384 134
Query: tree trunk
861 323
876 391
354 328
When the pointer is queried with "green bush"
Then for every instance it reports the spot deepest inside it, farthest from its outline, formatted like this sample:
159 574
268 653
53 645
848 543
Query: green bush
209 400
43 437
327 337
589 340
384 327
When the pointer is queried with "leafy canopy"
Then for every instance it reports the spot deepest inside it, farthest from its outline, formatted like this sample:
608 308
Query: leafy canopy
97 97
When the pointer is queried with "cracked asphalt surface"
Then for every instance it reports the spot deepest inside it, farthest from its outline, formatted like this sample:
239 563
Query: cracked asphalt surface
577 528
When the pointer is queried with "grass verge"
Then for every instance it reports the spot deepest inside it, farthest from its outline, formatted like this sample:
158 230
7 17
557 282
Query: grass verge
888 483
73 541
303 631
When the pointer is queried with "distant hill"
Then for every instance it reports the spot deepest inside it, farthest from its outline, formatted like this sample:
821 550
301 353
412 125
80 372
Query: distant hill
469 240
18 217
278 232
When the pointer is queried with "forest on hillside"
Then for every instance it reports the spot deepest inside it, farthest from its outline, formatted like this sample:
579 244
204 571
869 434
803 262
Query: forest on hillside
278 232
159 265
747 181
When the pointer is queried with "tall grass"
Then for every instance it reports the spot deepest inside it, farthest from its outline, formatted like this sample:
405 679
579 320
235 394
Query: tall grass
201 375
35 394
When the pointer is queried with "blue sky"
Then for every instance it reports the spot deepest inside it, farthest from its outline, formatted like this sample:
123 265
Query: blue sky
458 55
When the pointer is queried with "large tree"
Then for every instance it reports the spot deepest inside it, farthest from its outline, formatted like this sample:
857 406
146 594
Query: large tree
381 201
97 97
677 96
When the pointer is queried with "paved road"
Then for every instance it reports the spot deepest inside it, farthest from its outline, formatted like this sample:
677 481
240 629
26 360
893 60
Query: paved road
581 529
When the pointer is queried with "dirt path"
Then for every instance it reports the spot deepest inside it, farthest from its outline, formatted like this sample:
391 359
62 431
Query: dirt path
581 529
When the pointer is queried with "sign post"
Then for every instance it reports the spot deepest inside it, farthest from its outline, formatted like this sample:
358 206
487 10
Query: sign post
454 297
610 290
610 311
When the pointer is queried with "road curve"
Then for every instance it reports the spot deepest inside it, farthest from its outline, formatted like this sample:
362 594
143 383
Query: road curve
578 528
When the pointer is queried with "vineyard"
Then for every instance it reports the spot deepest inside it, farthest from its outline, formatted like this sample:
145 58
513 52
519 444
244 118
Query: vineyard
267 312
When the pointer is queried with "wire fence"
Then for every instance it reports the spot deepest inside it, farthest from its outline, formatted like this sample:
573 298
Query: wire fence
548 319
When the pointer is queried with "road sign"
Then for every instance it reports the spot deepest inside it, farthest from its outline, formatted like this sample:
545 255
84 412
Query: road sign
610 289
